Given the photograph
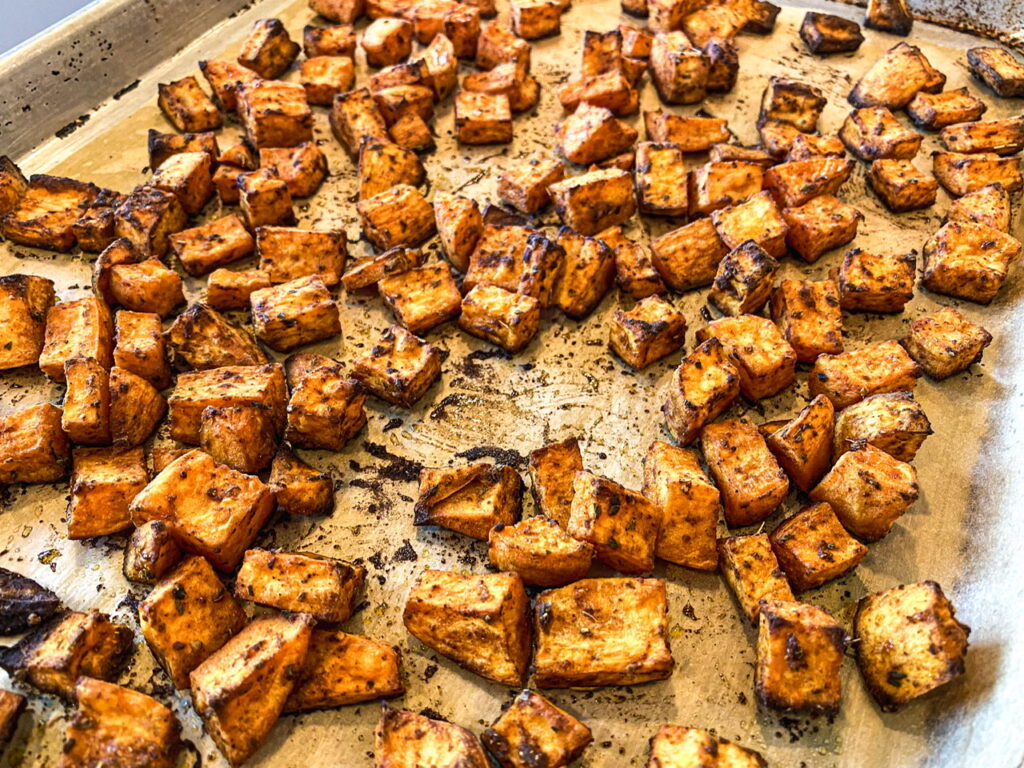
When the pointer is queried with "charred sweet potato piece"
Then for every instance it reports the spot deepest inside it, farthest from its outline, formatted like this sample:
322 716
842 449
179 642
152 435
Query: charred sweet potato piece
404 738
809 315
894 79
203 338
752 483
300 489
553 470
793 102
967 260
681 747
803 445
744 279
825 33
648 332
235 385
945 343
25 603
326 409
301 582
847 377
187 106
540 551
275 114
998 69
813 547
470 499
688 257
151 552
103 483
764 359
25 302
875 282
703 386
532 729
892 421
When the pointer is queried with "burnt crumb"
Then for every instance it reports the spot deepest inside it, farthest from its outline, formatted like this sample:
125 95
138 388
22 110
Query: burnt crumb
429 672
393 423
127 89
689 613
71 127
376 560
433 714
507 456
741 697
398 468
470 363
405 554
456 399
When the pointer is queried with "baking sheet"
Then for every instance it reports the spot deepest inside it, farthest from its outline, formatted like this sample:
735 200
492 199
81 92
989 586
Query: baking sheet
964 532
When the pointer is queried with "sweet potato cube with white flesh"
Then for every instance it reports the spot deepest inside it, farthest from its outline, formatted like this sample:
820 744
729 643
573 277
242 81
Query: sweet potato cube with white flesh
275 114
800 651
103 483
908 642
661 179
300 489
525 186
893 422
387 41
945 343
874 133
635 272
533 19
621 524
480 622
237 385
54 655
265 199
147 217
45 215
204 248
336 40
825 33
611 90
226 289
594 201
301 582
404 738
653 329
960 174
803 445
355 116
809 315
302 168
187 176
1003 137
111 720
509 320
482 118
819 225
86 408
869 490
13 185
765 361
679 70
704 385
540 551
399 216
596 632
241 690
805 145
268 50
151 552
813 547
587 275
33 447
690 134
203 338
325 410
295 313
798 181
689 504
470 500
688 257
553 470
967 260
757 219
213 510
533 729
422 298
25 302
848 377
383 165
226 79
675 746
872 282
934 111
324 77
399 368
189 602
720 184
242 437
752 483
988 205
442 66
187 106
901 185
339 11
459 224
998 69
79 328
341 669
894 79
793 102
744 280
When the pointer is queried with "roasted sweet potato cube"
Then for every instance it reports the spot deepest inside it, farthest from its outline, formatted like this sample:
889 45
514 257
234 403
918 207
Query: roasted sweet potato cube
507 319
287 254
143 286
636 42
301 582
203 338
54 655
86 409
891 16
45 215
242 437
355 116
533 728
341 669
813 547
111 720
499 44
908 642
967 260
239 385
275 114
744 279
757 219
594 201
777 137
1003 137
79 328
265 199
411 131
187 175
401 100
688 257
405 738
553 470
470 499
661 179
793 102
460 224
847 377
893 422
302 168
945 343
383 165
675 746
960 173
803 445
295 313
480 622
817 226
702 387
226 289
806 145
94 230
894 79
587 275
635 273
824 33
533 19
723 64
103 483
33 447
611 90
752 483
875 282
387 41
442 66
399 368
147 217
13 185
540 551
325 410
338 40
765 361
621 524
800 650
934 111
189 602
339 11
482 118
691 134
720 184
268 50
399 216
798 181
204 248
225 181
187 106
602 52
679 70
12 705
164 145
151 552
300 489
901 185
25 302
869 490
525 186
998 69
662 15
988 205
713 21
461 25
651 330
241 690
676 484
611 631
809 315
422 298
213 510
873 133
226 79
